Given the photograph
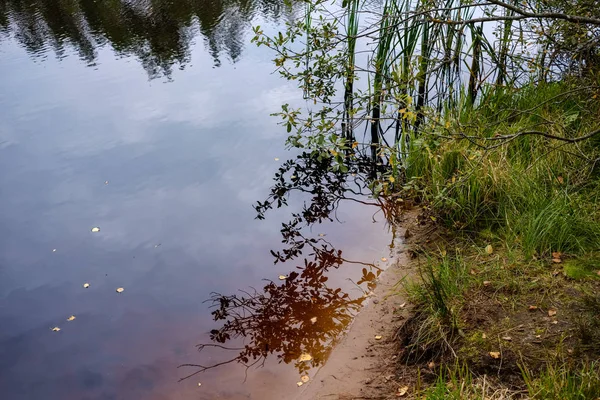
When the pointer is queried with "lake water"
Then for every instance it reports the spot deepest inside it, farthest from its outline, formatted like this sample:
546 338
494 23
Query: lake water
149 120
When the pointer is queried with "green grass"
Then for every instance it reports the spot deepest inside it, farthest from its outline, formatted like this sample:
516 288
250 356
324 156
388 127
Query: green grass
565 383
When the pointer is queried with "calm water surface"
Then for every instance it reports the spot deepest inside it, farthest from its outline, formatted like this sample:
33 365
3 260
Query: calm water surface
150 120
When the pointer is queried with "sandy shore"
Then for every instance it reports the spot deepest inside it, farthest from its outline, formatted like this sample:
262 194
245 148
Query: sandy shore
361 366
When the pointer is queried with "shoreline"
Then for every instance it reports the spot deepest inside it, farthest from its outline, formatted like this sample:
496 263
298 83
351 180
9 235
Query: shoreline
361 366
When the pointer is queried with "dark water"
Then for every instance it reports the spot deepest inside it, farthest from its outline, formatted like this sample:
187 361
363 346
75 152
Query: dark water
148 119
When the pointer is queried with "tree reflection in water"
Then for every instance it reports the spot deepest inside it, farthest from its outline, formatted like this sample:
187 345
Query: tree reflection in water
299 316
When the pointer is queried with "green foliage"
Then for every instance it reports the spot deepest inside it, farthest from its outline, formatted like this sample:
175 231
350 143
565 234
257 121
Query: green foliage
565 383
538 194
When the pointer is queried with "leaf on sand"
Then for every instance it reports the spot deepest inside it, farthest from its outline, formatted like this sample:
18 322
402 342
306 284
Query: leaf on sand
402 391
282 277
551 312
299 383
378 337
96 229
313 320
71 318
402 305
55 329
304 378
305 357
120 290
495 354
86 285
489 249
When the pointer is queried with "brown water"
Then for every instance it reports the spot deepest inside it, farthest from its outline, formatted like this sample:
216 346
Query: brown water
149 120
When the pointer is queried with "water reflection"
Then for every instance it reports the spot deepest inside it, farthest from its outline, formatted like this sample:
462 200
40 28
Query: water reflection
299 320
158 33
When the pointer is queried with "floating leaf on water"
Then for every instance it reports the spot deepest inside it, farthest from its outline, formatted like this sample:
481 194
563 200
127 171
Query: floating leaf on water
304 378
551 313
276 158
305 357
299 383
199 384
55 329
120 290
489 249
313 320
378 337
96 229
495 354
71 318
86 285
402 391
282 277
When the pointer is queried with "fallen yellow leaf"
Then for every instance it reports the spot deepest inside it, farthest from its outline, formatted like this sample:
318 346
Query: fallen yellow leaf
305 357
120 290
282 277
551 313
378 337
392 180
433 218
402 391
71 318
495 354
299 383
313 320
556 260
304 378
489 249
486 283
